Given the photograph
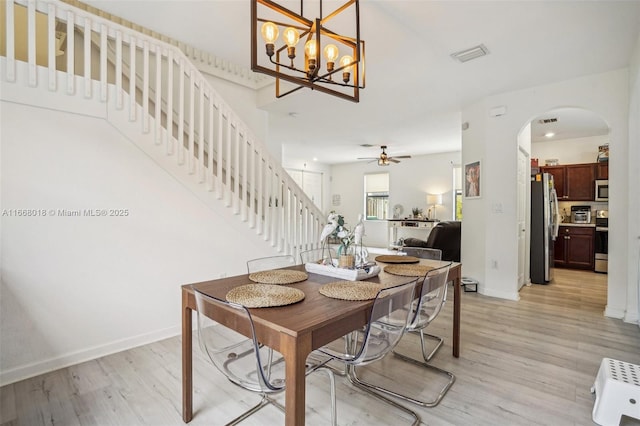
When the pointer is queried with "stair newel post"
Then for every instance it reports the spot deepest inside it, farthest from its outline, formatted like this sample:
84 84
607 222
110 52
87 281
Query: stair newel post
158 99
86 53
71 78
51 48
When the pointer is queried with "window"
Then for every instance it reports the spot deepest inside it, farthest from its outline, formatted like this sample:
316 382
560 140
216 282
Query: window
376 192
457 192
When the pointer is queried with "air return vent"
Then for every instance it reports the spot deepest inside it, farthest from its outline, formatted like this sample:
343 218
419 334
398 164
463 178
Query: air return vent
547 120
472 53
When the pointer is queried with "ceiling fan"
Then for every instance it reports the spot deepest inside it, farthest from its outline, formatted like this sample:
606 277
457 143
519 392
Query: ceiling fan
384 159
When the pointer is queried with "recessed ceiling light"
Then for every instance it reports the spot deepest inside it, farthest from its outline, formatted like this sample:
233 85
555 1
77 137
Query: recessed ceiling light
549 134
315 158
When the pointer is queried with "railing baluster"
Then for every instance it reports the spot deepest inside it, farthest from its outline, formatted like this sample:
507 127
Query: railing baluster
236 172
260 196
181 100
145 86
219 154
210 176
252 186
118 60
268 200
158 100
227 181
169 133
104 88
11 48
71 77
192 107
31 43
246 143
200 169
133 50
88 83
52 50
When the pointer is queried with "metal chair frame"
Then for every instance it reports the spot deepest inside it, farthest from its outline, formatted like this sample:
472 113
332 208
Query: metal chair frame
435 282
261 377
270 262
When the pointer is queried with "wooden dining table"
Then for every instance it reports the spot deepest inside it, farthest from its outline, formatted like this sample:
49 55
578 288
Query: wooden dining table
298 329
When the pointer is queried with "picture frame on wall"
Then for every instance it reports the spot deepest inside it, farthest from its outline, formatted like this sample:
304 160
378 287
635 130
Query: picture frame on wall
472 181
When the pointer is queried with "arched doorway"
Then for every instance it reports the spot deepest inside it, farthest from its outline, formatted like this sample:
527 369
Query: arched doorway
566 136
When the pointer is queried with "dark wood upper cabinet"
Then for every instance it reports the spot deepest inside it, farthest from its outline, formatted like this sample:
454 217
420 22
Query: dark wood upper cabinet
573 182
602 170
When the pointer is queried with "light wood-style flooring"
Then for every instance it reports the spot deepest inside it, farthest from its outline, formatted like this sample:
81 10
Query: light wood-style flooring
530 362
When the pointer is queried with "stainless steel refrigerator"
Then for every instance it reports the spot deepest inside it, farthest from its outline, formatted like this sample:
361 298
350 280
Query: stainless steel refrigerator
544 227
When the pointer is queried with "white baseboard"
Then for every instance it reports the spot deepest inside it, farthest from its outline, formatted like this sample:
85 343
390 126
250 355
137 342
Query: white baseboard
499 294
62 361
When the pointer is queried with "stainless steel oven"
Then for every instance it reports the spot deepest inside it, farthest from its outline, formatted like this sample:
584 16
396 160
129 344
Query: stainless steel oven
602 241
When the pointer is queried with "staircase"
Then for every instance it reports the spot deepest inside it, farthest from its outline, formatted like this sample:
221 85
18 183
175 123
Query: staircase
151 89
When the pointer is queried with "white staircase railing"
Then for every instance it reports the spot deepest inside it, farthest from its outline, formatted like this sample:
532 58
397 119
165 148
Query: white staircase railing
189 118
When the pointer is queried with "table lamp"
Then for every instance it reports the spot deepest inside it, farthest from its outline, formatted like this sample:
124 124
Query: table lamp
434 200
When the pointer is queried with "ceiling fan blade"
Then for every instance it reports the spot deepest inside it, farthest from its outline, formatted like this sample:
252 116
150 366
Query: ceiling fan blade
401 156
367 158
393 159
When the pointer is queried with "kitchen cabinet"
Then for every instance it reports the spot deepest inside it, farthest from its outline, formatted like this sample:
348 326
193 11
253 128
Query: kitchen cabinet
574 247
573 182
602 170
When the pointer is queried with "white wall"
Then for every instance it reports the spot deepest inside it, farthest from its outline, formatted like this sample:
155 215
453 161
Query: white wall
606 94
409 182
75 288
569 151
633 194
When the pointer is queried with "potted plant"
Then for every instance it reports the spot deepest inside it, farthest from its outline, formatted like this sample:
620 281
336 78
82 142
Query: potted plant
346 258
417 213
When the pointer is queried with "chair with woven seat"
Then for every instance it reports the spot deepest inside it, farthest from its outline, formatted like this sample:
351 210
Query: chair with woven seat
424 310
271 262
243 360
387 324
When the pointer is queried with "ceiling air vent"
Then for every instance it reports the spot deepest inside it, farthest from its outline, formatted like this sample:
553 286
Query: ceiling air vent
547 120
472 53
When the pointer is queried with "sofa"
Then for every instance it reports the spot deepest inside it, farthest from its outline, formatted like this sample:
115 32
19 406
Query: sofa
444 236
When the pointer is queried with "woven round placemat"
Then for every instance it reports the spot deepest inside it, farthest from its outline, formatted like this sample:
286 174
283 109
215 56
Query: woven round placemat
278 276
408 270
351 290
394 258
264 295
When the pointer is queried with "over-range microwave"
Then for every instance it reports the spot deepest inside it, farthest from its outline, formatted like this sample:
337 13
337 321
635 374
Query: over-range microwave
602 190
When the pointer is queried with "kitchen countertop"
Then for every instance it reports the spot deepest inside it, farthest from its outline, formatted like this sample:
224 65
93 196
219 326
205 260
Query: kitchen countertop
584 225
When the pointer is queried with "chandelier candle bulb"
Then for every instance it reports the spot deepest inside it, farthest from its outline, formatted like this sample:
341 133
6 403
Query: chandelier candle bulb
345 61
331 53
270 33
291 37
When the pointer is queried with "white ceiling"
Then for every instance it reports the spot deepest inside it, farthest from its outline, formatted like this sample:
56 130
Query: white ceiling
415 90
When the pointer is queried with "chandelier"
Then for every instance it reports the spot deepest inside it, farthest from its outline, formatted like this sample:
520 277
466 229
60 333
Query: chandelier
310 53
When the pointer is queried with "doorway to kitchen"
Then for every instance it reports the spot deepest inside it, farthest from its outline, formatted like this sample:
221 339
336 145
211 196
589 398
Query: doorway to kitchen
572 145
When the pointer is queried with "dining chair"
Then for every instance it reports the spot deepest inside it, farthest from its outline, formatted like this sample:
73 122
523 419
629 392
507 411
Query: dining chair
433 254
268 263
324 255
423 252
388 321
422 312
243 360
